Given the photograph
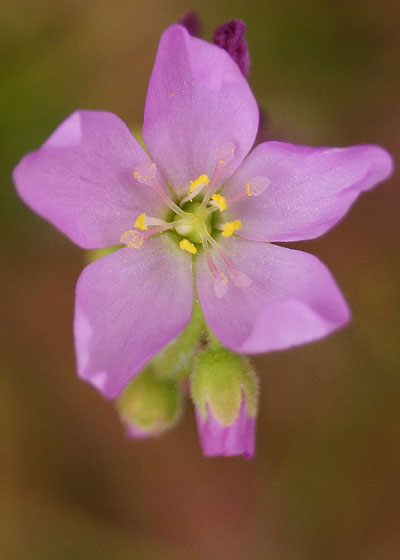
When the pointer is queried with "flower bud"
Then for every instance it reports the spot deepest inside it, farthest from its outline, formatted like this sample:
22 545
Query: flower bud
230 36
191 21
149 405
224 390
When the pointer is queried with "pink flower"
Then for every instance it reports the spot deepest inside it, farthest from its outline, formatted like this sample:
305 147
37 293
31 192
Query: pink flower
201 200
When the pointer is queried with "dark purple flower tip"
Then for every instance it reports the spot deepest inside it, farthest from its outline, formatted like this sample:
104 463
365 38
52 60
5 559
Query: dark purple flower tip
191 21
230 36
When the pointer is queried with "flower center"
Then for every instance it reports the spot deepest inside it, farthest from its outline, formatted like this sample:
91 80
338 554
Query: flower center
197 223
197 219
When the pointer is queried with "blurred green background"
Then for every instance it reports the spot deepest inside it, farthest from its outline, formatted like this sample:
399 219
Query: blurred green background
325 481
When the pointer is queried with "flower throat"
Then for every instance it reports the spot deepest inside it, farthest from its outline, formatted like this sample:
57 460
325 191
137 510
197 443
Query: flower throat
196 220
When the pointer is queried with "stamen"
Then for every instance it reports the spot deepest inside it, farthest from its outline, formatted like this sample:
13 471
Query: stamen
188 246
219 201
224 155
135 237
229 228
200 182
254 187
196 187
146 173
141 222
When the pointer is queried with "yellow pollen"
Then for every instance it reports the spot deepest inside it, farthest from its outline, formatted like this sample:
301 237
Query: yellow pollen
202 179
231 227
132 238
220 201
248 189
136 174
141 222
188 246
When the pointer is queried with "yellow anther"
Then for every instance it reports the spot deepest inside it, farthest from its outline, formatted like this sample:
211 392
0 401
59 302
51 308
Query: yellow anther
202 180
188 246
136 174
220 201
229 228
248 189
132 238
141 222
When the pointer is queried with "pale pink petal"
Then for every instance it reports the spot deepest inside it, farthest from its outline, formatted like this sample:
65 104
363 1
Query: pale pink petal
129 305
197 101
81 179
292 299
309 189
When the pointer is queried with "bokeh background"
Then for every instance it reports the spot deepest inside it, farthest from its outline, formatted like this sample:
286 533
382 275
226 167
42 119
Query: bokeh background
325 482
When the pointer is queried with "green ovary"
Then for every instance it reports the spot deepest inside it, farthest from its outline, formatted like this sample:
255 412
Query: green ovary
198 221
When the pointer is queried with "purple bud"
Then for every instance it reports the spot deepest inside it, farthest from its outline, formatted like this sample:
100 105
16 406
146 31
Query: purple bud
191 21
230 36
224 390
237 439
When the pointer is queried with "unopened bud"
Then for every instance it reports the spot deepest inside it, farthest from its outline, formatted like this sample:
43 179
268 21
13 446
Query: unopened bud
224 389
149 405
230 36
191 21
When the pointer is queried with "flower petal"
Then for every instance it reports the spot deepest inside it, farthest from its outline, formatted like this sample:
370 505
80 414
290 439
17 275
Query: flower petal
227 441
81 179
292 299
197 101
129 304
309 189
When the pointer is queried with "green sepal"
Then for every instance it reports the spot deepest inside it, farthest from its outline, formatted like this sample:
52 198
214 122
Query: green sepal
151 404
220 380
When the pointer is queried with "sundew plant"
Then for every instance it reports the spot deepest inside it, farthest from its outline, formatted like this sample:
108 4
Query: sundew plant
193 280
